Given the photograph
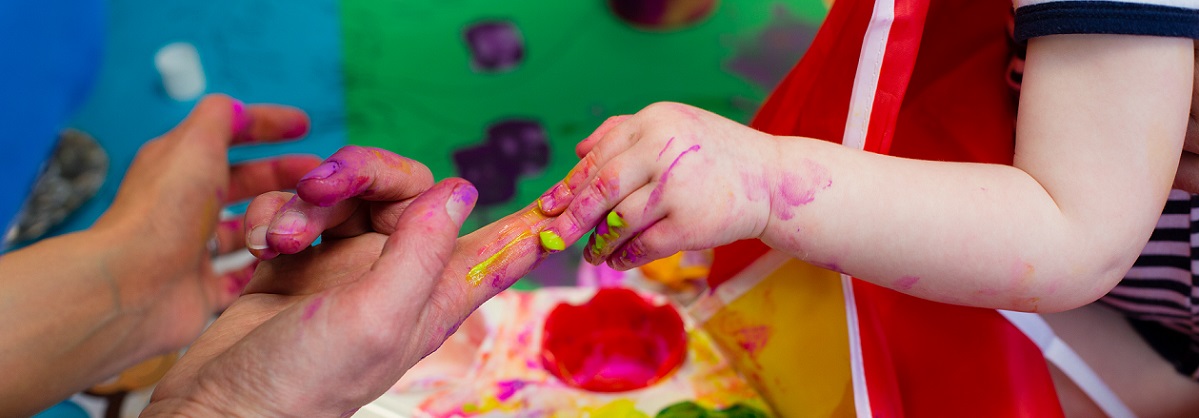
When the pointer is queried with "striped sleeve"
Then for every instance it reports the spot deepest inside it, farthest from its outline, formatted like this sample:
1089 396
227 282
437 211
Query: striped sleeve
1173 18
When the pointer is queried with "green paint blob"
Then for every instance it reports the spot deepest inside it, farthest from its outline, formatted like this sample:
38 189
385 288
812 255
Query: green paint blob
551 241
614 220
689 409
600 242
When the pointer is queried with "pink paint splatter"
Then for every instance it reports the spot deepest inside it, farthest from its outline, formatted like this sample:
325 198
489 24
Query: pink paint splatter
656 194
905 283
800 188
753 339
508 388
312 307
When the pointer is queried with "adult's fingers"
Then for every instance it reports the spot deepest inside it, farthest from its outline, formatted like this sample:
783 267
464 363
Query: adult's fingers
417 253
484 263
366 173
219 121
298 223
259 214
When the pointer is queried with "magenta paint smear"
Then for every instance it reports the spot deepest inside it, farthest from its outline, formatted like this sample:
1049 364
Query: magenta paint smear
906 283
800 188
668 142
753 339
240 121
508 388
615 342
656 194
312 307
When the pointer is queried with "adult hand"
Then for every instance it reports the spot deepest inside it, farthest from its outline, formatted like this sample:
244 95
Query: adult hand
81 307
353 230
169 205
325 331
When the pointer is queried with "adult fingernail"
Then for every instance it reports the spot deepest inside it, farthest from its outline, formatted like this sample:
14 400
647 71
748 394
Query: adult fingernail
290 223
240 120
551 241
323 171
462 199
256 239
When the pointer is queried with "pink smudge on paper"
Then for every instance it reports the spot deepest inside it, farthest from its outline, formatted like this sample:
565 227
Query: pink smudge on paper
800 187
656 194
905 283
312 307
508 388
752 339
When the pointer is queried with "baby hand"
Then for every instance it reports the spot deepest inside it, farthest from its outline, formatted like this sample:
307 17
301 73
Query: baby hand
669 178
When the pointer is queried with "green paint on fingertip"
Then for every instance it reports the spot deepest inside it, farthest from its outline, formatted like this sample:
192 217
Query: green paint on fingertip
551 241
614 220
600 242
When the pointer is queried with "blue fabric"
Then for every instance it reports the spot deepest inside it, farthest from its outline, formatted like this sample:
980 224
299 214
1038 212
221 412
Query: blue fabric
1107 17
50 53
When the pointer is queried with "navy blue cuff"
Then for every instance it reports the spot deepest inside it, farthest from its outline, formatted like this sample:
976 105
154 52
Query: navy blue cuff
1108 17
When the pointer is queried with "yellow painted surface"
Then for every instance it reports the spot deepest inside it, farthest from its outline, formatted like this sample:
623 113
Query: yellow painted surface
788 336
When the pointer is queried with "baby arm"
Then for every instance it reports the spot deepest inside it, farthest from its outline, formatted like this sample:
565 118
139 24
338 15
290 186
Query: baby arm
1099 133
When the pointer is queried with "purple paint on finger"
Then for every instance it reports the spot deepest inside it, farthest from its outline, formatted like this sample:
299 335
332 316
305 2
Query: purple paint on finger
326 169
656 194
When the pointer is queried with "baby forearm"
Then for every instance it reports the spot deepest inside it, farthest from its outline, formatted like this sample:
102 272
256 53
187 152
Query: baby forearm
973 234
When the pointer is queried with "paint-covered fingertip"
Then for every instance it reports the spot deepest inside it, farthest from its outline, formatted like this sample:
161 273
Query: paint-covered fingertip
551 241
461 201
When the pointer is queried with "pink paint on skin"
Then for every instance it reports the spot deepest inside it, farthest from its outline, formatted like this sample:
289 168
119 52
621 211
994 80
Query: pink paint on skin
508 388
656 195
312 307
240 121
668 142
798 189
906 283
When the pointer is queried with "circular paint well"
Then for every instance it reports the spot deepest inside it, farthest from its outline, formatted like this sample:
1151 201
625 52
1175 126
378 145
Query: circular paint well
618 341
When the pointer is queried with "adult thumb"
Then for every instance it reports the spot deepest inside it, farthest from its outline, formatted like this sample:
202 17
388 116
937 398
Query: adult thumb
417 252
